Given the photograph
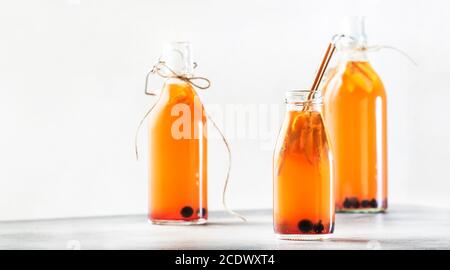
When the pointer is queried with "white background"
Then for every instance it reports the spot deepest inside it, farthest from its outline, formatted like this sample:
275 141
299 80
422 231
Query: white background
71 93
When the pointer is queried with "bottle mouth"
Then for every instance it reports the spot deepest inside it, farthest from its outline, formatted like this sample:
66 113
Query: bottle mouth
301 97
353 30
351 43
178 57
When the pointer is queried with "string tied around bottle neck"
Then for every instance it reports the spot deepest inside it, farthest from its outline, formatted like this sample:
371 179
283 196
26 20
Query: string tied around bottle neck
162 70
371 48
158 69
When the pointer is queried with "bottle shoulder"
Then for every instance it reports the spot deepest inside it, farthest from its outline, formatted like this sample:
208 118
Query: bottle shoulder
354 77
178 92
177 98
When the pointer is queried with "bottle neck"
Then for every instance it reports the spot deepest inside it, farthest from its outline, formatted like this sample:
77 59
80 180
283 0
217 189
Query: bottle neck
174 87
354 40
178 57
301 100
310 107
355 54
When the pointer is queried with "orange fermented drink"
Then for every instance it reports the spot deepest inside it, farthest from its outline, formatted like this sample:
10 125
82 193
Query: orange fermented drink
355 116
303 206
178 150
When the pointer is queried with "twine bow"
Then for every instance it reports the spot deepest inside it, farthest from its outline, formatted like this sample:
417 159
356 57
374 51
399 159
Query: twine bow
158 69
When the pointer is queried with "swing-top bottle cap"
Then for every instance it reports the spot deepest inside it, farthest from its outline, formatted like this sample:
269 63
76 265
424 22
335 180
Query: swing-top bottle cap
354 28
178 57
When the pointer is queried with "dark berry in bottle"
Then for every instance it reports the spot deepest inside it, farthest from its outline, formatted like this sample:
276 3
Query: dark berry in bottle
365 203
201 212
347 203
373 203
305 225
187 211
354 202
318 228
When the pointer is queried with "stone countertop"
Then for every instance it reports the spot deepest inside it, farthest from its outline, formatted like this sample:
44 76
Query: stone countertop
403 227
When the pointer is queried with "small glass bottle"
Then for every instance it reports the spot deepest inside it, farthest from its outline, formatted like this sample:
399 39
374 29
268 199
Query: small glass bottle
178 146
355 116
303 207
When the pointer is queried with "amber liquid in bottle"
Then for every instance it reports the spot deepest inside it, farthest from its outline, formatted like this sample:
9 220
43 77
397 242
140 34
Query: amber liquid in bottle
303 180
355 115
178 157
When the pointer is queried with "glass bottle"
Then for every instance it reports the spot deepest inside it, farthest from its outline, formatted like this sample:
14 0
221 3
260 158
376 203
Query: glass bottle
303 206
355 115
178 146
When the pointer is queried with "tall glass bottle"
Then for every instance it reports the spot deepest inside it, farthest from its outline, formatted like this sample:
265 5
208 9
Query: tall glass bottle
355 115
303 198
178 147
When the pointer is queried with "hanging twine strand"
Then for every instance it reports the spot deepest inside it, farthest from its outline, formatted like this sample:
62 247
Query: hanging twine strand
164 71
225 187
373 48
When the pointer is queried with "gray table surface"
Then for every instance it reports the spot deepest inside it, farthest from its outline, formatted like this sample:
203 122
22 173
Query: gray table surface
403 227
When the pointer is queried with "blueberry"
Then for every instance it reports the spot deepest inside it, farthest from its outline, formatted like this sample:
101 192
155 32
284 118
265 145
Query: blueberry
347 203
373 203
351 202
305 225
201 212
318 228
365 203
354 202
187 211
